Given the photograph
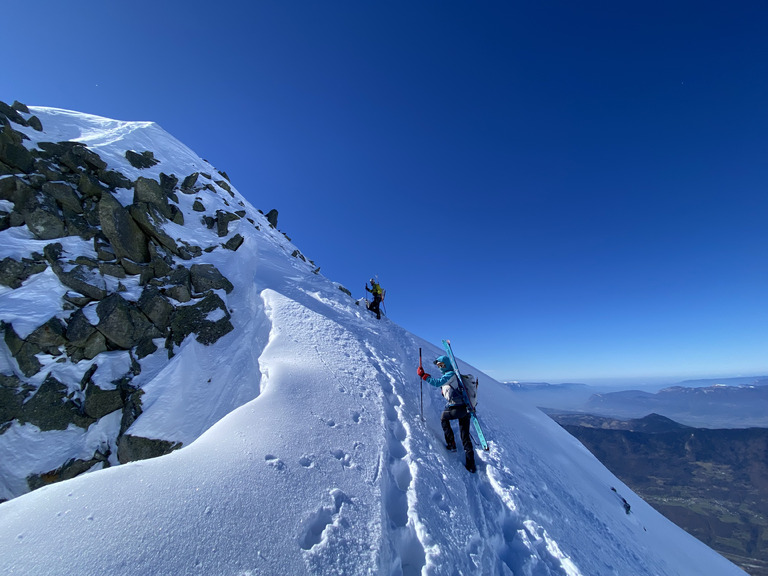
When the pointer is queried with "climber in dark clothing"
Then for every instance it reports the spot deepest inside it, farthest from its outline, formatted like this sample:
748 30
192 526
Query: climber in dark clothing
378 296
456 409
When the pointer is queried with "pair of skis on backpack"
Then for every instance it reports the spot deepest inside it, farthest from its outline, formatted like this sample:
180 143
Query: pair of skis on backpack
470 407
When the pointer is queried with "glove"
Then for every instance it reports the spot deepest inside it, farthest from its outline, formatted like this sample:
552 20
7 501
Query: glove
420 371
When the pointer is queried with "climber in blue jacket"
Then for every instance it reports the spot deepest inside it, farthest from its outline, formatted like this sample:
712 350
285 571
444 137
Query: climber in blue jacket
456 409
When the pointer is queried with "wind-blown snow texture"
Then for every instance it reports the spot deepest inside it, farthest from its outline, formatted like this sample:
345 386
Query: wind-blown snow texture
326 467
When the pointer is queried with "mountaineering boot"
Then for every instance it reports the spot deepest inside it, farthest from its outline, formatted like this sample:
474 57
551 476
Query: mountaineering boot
451 447
470 462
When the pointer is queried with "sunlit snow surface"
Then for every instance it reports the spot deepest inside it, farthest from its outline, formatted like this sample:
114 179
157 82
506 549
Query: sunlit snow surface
305 451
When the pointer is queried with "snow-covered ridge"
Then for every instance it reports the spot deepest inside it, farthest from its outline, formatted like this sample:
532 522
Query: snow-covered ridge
111 138
133 255
326 466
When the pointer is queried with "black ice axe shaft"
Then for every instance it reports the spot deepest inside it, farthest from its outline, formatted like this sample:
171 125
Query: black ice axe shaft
421 389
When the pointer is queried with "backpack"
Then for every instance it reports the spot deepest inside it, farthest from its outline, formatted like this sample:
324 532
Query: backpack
470 385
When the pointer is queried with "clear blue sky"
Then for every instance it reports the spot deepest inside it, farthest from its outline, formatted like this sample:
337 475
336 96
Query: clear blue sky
567 190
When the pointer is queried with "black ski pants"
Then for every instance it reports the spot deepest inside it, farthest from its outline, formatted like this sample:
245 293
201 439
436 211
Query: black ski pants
461 414
375 306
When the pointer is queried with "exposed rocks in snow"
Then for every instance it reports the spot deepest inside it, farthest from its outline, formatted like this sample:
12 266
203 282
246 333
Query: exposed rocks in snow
64 189
84 277
24 352
71 468
10 400
205 277
130 448
272 218
99 402
234 243
222 221
14 272
197 320
144 159
51 408
123 324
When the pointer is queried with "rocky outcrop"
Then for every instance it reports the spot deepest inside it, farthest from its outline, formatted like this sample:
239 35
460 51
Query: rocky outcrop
99 402
144 159
61 189
234 243
122 230
85 279
14 272
71 468
123 324
205 277
132 448
10 399
272 218
157 308
51 408
208 319
24 352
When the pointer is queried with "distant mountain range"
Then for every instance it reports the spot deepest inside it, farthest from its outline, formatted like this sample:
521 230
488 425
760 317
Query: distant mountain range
722 403
738 381
651 424
718 406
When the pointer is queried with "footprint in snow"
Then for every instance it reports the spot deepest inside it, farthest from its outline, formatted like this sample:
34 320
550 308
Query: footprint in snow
307 461
313 527
274 462
343 457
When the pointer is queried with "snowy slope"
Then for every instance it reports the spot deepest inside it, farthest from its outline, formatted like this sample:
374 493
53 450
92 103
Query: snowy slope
326 466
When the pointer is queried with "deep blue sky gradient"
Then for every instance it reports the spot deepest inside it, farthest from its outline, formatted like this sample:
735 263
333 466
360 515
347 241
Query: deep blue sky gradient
567 190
